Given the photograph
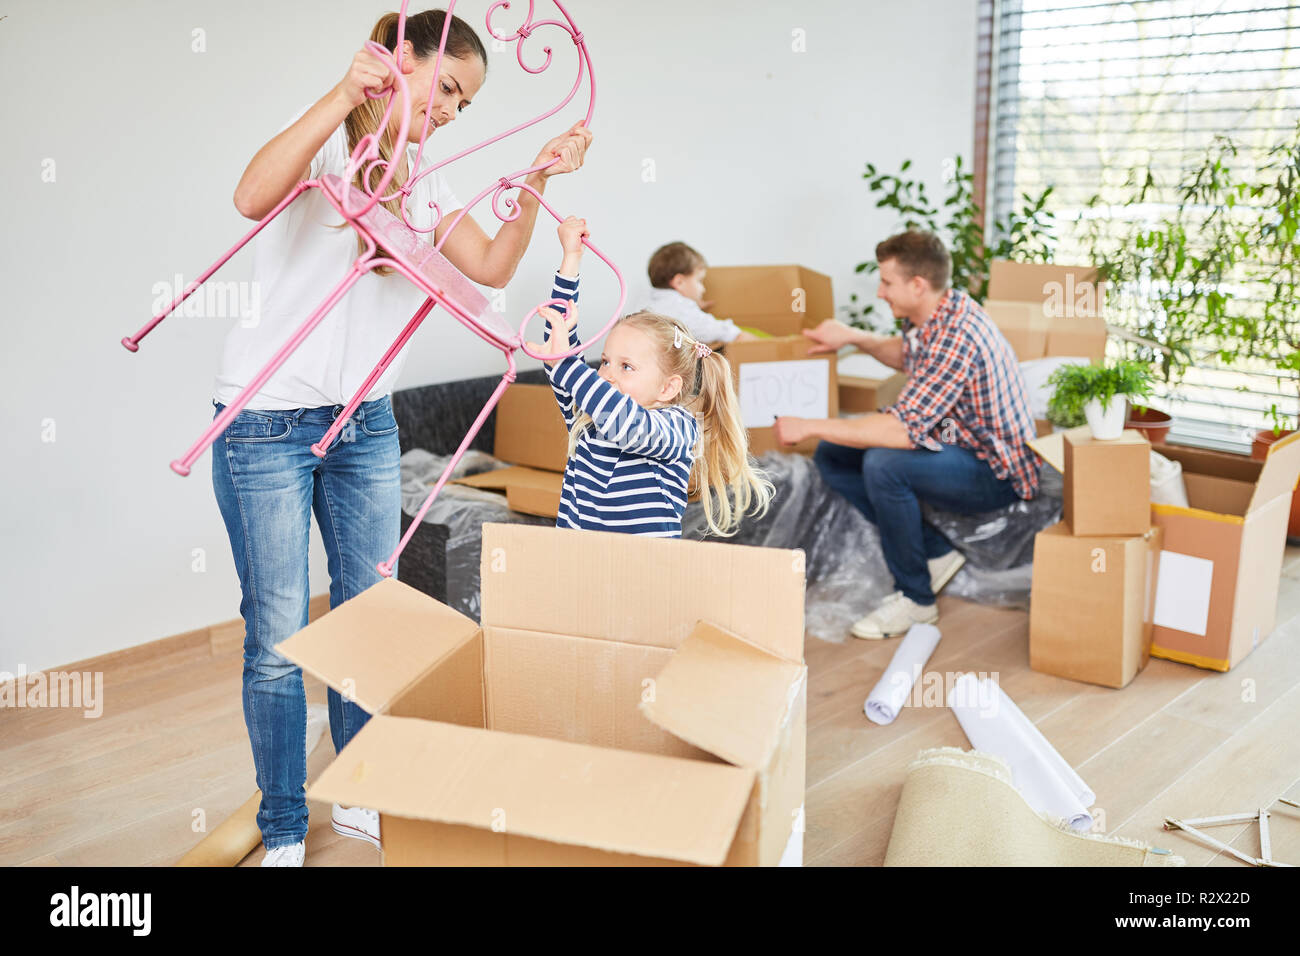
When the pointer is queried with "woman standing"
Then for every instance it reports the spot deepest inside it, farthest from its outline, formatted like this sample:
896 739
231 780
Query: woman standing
267 480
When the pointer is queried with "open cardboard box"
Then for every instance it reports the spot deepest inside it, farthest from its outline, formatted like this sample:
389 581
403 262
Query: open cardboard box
780 300
777 376
652 711
1221 559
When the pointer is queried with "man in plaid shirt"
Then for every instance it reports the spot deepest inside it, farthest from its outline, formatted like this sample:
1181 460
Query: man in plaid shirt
955 437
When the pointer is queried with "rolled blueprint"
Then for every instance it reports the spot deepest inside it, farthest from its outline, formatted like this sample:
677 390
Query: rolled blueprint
890 693
996 725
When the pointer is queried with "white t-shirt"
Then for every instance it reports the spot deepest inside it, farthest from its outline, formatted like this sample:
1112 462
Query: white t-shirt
699 323
297 261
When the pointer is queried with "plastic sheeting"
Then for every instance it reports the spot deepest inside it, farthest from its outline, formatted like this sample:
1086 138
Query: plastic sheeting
844 564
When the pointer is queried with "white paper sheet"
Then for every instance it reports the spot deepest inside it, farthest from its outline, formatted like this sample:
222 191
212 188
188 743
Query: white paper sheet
890 693
1183 592
800 387
862 365
994 724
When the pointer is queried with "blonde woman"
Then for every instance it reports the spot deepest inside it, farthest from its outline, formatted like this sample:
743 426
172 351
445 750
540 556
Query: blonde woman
267 481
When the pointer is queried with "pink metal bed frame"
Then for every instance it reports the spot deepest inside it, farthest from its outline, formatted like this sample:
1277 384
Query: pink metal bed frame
420 262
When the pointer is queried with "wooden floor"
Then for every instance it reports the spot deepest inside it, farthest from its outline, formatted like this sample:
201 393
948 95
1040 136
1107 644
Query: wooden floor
127 788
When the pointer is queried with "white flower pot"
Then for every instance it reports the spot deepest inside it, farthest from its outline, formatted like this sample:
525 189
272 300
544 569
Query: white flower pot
1106 423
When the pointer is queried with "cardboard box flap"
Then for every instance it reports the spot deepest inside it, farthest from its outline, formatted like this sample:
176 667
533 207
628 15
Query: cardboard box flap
640 590
724 695
1051 448
555 790
529 428
375 645
1280 471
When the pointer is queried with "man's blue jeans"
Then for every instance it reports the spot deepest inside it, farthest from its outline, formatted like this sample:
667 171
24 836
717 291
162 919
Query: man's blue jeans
889 484
268 483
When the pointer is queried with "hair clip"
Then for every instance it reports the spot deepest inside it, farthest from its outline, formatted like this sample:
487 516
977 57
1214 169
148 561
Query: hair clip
677 336
702 350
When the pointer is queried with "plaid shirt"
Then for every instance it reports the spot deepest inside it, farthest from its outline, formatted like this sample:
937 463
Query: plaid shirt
964 387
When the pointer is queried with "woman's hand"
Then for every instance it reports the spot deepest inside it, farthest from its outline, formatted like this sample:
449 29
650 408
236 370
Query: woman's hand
368 72
561 325
571 147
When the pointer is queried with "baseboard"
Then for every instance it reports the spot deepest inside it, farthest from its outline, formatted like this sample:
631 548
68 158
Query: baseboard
214 641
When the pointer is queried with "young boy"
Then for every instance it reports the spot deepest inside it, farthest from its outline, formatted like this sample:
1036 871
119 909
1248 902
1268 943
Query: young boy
677 281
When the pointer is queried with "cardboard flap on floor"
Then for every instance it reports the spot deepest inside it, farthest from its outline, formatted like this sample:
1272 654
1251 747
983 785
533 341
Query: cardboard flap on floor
641 590
373 646
515 476
1280 471
577 794
724 695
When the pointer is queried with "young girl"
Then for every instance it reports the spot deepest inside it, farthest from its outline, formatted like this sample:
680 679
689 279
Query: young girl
266 478
658 421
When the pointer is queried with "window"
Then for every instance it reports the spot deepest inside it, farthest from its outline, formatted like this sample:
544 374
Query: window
1083 92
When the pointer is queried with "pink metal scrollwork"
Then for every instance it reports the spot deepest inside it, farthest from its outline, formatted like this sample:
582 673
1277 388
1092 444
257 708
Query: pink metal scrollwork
403 249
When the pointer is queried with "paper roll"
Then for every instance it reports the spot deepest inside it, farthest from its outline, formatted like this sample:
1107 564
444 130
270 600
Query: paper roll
994 724
890 693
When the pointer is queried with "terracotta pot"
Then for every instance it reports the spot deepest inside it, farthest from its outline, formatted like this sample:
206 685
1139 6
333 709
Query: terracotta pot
1259 451
1152 423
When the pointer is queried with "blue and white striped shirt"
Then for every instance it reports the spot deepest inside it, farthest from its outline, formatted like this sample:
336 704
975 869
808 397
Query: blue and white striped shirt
629 471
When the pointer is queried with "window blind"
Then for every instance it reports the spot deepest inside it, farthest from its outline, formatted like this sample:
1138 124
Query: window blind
1084 92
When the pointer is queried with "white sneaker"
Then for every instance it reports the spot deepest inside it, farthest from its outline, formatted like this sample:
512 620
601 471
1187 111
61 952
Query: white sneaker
357 822
895 615
290 855
943 568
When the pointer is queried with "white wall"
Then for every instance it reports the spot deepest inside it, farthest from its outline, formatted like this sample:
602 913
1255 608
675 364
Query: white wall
758 153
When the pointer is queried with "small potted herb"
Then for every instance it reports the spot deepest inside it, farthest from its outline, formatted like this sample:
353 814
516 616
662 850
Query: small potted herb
1097 394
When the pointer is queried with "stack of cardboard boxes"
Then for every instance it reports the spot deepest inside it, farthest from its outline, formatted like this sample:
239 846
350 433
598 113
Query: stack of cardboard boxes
1091 602
1211 591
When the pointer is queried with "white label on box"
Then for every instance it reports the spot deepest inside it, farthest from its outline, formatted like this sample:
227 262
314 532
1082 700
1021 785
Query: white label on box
768 389
1183 592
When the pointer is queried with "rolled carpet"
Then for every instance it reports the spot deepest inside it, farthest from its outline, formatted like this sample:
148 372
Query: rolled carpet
238 835
959 808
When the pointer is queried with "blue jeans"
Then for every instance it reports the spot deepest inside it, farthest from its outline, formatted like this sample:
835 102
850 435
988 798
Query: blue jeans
889 484
268 483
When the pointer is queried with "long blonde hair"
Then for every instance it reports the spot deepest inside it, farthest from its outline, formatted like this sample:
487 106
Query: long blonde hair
424 30
723 472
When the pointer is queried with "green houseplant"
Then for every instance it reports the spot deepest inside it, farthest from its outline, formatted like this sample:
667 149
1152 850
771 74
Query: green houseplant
1024 234
1096 394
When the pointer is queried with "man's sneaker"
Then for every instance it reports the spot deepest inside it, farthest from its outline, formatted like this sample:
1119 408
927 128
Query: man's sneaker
895 615
943 568
290 855
358 823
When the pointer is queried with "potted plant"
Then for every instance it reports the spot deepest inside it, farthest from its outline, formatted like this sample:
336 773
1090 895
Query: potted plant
1151 422
1098 393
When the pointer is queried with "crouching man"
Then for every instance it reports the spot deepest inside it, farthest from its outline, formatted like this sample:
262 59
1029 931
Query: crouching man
955 438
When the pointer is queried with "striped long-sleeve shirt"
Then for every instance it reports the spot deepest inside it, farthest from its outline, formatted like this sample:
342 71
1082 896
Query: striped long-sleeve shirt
629 471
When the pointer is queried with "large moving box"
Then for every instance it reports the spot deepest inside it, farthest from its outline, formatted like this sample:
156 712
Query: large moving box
776 377
1046 310
626 700
1222 562
776 299
1091 603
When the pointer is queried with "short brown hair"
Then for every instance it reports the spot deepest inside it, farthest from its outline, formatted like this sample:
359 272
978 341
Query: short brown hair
674 259
919 253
